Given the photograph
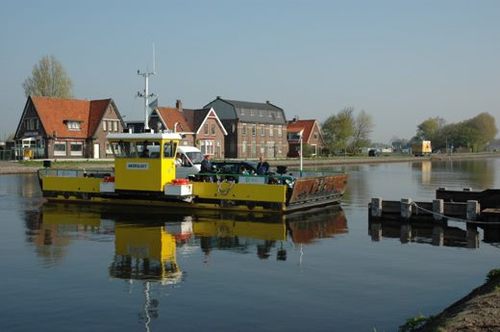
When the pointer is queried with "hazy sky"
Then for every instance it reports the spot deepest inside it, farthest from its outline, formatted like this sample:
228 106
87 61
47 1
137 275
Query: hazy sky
400 61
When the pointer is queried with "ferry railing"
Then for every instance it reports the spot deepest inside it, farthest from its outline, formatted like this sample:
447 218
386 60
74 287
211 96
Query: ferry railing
74 173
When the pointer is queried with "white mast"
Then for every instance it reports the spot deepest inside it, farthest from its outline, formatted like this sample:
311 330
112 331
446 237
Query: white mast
145 94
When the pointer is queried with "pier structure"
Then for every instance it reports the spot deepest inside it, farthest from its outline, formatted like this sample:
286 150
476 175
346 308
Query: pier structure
471 208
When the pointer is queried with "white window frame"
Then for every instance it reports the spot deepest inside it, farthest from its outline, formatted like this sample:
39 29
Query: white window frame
74 125
78 153
61 153
207 147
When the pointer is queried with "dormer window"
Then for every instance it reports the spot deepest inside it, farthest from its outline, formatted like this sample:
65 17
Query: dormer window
73 125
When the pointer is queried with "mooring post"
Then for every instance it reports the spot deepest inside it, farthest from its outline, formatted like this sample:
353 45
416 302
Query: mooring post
376 207
376 231
438 209
472 210
405 235
472 236
406 208
438 235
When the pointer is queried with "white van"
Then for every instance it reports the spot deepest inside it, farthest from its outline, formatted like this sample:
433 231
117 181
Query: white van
189 162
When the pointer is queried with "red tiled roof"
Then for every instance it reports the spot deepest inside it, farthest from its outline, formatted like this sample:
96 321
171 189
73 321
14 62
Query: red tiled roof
55 112
298 125
97 110
170 116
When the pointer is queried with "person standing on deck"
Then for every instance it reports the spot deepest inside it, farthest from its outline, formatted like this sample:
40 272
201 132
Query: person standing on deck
262 166
206 165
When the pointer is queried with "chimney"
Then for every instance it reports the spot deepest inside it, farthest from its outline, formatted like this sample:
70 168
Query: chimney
178 105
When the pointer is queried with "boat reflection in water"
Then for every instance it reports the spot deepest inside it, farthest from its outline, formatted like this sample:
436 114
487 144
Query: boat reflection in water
146 241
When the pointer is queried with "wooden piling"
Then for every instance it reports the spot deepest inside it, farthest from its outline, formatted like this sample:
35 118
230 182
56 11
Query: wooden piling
376 207
406 208
438 235
473 210
438 209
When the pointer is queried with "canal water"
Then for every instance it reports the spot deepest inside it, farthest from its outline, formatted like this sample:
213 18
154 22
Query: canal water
80 268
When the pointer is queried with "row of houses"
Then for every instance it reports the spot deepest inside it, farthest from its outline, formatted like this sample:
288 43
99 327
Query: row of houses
224 128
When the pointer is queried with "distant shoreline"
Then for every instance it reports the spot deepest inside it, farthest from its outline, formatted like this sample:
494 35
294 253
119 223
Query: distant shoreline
23 167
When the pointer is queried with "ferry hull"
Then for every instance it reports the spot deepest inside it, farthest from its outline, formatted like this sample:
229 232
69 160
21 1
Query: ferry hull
307 193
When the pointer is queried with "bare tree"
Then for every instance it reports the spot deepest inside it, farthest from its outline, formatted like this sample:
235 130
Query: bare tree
363 126
48 79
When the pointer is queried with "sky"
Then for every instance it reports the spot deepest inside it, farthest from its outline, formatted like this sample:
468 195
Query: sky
401 62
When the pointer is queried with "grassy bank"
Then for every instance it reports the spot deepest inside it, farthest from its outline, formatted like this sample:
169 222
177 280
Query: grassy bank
478 311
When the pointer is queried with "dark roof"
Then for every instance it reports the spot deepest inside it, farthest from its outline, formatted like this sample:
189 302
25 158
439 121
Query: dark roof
246 111
195 117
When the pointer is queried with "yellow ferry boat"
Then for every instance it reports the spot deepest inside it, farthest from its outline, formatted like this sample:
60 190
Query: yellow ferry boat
144 174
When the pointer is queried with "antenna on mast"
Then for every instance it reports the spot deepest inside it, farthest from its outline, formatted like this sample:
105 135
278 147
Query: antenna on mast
154 59
145 93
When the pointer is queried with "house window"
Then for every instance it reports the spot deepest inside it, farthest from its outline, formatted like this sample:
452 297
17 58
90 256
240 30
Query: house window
244 130
262 131
244 148
205 128
212 129
60 149
207 147
76 149
280 132
254 130
32 124
104 127
115 125
73 125
315 135
271 130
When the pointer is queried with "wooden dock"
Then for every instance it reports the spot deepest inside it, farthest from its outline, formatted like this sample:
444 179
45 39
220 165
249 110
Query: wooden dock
469 206
472 208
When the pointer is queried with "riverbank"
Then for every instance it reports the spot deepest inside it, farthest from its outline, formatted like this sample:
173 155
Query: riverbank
20 167
478 311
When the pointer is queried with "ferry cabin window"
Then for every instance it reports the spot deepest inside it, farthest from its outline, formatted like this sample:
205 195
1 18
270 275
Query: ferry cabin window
124 149
148 149
169 149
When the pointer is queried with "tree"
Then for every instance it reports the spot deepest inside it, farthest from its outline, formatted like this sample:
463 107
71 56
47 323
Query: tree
338 129
473 134
429 129
363 126
48 79
483 130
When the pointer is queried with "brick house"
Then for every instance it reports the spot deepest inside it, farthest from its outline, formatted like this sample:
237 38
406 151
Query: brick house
311 135
254 129
199 127
68 128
